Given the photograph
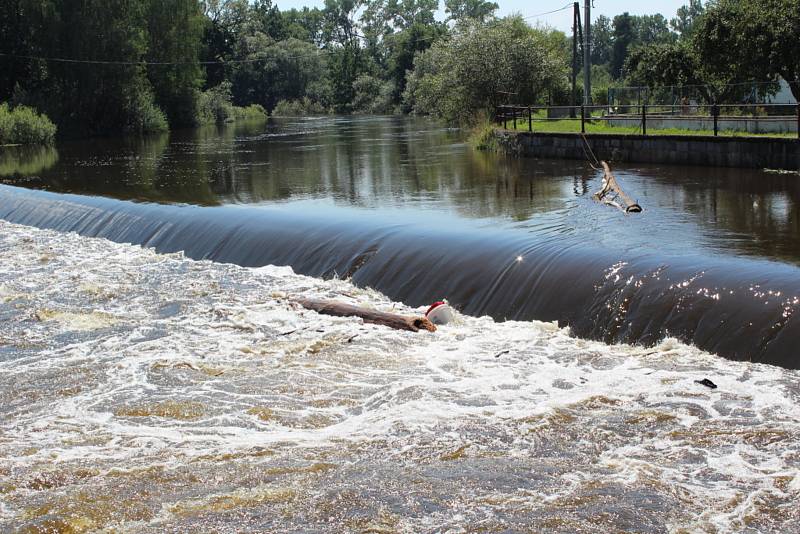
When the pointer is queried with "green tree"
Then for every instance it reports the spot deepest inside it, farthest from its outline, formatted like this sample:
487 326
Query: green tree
346 61
602 40
224 20
472 71
372 95
752 40
480 10
624 37
668 64
686 16
286 70
175 29
305 24
406 13
403 47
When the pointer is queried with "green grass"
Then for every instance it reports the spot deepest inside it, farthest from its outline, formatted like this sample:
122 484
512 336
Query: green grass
602 127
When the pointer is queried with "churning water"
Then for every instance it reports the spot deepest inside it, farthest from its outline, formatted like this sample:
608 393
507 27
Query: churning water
176 387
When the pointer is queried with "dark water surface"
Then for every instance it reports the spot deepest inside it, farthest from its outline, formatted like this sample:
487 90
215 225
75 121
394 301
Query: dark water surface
407 207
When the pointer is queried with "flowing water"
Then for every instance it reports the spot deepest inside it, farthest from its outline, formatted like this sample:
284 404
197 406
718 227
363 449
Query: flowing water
176 387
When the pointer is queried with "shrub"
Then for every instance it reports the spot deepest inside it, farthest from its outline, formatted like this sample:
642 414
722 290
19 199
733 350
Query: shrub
483 136
215 105
148 117
301 107
23 125
249 113
373 96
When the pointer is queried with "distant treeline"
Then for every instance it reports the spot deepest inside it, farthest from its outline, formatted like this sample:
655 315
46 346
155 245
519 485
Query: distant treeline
131 66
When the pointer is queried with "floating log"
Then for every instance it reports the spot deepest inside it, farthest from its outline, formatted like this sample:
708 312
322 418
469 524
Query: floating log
392 320
613 195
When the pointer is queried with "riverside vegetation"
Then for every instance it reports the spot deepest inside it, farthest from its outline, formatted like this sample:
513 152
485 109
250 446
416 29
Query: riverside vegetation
120 67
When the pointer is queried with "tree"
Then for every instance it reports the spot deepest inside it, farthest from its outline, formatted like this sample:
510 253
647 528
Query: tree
624 36
474 69
175 28
602 41
686 16
406 13
286 70
667 64
372 95
345 62
305 25
403 47
753 40
480 10
224 20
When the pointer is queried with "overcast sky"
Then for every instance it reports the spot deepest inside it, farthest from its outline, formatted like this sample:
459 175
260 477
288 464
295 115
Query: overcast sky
561 20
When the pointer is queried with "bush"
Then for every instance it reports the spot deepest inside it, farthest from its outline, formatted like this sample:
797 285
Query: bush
373 96
249 113
483 136
23 125
146 116
215 105
303 107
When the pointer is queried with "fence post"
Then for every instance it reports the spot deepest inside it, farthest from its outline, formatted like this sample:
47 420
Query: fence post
798 120
530 119
505 119
715 113
583 119
644 119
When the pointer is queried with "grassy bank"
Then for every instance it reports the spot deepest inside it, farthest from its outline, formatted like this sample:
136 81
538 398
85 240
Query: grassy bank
24 126
602 127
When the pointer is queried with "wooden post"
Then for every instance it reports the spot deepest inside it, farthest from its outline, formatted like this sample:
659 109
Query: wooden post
339 309
530 119
515 117
505 120
644 119
583 119
715 113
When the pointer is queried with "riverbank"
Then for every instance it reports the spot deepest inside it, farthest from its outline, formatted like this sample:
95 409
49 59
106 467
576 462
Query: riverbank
738 152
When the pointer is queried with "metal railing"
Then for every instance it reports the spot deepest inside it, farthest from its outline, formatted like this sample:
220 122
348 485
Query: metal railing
720 117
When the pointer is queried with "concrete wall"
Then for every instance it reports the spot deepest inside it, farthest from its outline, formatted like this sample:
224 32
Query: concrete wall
752 152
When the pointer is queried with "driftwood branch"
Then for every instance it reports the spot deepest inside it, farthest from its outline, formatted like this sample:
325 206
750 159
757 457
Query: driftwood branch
613 195
339 309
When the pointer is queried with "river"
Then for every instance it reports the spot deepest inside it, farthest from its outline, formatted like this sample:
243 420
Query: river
157 377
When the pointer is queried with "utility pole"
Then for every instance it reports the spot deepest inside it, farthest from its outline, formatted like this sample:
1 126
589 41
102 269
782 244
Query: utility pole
587 53
576 13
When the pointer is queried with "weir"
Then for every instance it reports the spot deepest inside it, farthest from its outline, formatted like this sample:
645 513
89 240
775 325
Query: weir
743 309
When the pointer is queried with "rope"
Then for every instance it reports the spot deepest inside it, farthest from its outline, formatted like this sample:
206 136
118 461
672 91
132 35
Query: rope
586 146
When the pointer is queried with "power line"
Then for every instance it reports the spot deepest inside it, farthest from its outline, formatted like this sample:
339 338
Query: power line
145 63
568 6
219 62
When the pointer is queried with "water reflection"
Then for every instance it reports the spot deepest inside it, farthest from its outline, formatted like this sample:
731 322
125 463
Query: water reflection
385 163
21 161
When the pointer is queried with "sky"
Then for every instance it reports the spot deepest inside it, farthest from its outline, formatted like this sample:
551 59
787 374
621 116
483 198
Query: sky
561 20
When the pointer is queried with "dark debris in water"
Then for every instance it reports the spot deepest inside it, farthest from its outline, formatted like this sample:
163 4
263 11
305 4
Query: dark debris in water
706 382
